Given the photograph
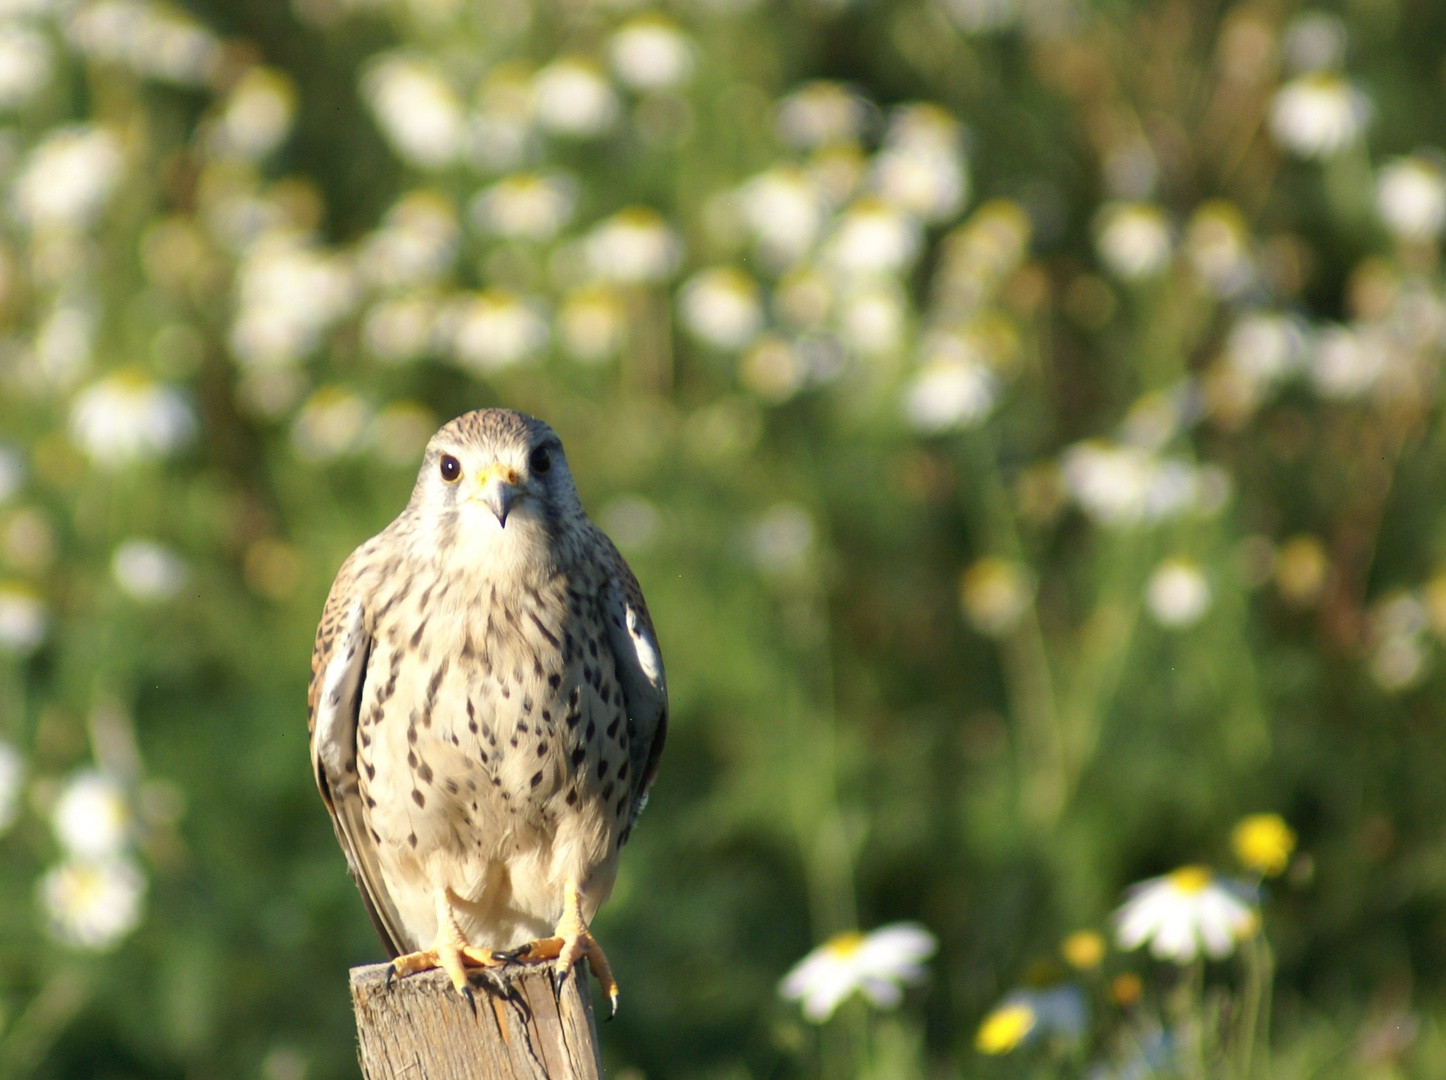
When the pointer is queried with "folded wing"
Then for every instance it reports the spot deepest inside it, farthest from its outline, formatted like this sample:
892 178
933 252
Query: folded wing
640 673
338 673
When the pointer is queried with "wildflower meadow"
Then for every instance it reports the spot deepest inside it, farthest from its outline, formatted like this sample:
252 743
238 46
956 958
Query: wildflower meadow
1021 416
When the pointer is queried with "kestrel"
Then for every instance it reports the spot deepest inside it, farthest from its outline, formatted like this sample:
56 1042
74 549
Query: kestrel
487 708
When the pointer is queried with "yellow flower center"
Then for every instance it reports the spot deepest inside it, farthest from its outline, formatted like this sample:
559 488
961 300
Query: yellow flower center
1004 1029
842 946
1263 842
1083 950
1191 879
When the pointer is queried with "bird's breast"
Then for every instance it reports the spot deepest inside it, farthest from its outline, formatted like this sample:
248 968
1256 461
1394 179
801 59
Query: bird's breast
492 737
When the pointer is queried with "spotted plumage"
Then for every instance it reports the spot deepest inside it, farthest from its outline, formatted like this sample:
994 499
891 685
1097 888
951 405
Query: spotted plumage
487 706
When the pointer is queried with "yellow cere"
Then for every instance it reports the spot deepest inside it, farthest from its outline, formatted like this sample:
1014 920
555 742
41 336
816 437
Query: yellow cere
1083 950
842 946
1190 879
1004 1029
1263 842
505 473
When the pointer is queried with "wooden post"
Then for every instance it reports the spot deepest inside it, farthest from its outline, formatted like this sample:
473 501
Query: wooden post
420 1028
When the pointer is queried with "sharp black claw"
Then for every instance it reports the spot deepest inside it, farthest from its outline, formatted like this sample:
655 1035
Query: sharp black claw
508 955
391 974
467 996
494 982
612 1006
559 980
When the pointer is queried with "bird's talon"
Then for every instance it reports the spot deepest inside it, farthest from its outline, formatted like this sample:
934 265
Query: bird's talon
467 997
559 980
612 1006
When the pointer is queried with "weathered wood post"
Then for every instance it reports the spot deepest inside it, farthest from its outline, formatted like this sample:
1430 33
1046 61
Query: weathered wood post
420 1028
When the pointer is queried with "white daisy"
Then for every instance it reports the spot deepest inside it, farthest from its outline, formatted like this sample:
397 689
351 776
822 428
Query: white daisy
526 206
130 417
721 308
631 522
401 329
1110 483
256 115
1266 346
590 324
1133 240
949 394
781 541
92 818
67 179
1346 362
1318 115
1399 662
821 113
153 40
331 424
921 167
496 329
23 620
1185 912
994 593
773 369
1217 243
872 238
571 97
25 64
288 293
634 246
1411 198
650 53
785 209
415 245
92 904
146 571
416 108
500 132
63 348
876 965
1177 593
873 320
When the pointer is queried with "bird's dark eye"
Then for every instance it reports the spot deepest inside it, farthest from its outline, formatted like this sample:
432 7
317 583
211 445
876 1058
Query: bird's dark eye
540 461
451 468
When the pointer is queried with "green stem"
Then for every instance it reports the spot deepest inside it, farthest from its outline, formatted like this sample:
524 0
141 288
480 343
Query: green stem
49 1013
1029 681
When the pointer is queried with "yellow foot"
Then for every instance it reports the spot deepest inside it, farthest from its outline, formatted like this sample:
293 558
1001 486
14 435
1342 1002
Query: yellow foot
450 952
572 942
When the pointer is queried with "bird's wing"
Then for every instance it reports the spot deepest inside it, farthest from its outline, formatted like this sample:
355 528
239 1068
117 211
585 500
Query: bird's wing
338 671
640 671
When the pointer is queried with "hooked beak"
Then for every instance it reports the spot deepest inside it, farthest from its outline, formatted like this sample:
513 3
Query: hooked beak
497 490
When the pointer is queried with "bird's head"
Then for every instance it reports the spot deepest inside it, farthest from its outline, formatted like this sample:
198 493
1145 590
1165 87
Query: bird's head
496 471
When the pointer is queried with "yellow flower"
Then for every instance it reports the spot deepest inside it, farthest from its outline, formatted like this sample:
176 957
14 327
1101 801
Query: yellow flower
1263 842
1125 989
1083 950
1005 1028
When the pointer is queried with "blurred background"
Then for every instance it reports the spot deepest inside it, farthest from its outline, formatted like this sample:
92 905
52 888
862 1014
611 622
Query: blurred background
1022 416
